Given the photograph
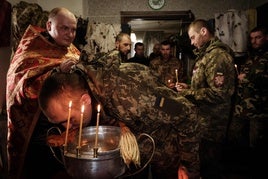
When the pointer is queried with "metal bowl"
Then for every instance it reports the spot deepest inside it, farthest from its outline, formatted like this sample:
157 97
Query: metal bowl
82 163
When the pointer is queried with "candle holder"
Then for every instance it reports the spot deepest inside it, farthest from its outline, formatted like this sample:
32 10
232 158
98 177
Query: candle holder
95 152
78 151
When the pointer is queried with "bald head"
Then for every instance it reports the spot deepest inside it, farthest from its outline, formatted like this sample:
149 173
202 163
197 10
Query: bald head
60 11
61 25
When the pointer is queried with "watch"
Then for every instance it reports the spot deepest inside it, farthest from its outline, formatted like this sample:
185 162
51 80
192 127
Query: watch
156 4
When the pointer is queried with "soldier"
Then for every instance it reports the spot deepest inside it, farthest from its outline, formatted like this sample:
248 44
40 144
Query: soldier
132 94
139 56
211 89
249 126
123 44
168 67
156 52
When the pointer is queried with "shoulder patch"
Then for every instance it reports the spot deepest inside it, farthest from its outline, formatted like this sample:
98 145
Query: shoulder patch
219 79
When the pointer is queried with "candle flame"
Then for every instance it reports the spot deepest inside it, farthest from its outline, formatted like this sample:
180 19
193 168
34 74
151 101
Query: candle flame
99 107
236 69
82 108
70 104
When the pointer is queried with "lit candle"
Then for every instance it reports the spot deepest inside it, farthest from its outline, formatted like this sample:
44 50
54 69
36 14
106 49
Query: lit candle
81 124
236 69
97 125
176 73
68 122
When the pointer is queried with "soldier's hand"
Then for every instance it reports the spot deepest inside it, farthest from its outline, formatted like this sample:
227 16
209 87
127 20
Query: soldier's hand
171 85
181 86
241 76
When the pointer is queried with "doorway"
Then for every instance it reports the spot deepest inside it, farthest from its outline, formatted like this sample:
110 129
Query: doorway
152 27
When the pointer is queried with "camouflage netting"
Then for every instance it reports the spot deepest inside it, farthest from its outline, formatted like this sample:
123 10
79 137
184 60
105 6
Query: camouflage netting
24 14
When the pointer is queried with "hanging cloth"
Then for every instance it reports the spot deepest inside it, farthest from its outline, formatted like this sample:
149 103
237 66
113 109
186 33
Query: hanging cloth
101 37
232 29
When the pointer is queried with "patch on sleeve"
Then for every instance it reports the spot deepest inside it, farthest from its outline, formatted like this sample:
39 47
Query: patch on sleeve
218 80
195 69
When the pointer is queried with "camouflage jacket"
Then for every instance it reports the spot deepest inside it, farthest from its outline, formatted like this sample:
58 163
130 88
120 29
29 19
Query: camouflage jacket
115 83
212 86
166 69
131 93
252 91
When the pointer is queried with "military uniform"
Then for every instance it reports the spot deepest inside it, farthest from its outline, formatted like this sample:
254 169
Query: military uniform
166 69
131 93
251 108
249 126
212 86
139 59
